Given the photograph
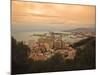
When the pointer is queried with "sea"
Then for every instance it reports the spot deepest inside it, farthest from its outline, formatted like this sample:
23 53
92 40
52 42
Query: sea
26 36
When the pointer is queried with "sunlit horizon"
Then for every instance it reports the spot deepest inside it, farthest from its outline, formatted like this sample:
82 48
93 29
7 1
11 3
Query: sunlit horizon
48 16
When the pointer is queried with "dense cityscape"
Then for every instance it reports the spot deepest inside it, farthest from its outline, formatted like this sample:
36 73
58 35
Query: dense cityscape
51 52
51 43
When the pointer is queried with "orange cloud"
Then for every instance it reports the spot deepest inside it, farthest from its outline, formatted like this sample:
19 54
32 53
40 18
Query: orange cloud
31 12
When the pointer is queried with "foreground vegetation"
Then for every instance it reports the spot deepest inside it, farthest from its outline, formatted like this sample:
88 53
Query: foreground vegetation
85 59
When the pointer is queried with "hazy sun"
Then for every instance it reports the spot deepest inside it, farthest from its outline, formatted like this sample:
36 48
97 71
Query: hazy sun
37 11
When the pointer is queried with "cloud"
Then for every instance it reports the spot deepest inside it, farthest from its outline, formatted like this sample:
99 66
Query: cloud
32 13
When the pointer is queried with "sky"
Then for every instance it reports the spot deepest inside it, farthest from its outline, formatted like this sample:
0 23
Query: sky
86 2
35 16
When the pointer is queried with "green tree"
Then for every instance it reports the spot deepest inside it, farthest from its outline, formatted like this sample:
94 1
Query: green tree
19 56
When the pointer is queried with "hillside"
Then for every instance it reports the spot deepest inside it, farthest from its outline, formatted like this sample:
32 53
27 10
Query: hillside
81 30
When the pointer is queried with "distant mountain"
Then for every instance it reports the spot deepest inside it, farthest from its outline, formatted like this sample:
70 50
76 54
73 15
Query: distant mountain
81 30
